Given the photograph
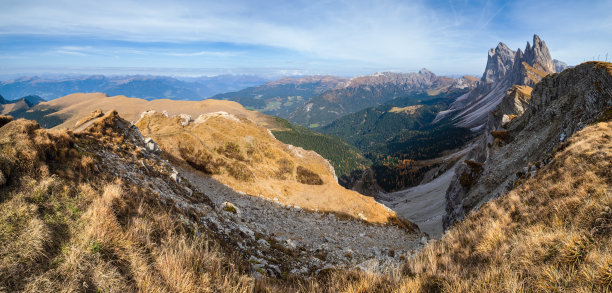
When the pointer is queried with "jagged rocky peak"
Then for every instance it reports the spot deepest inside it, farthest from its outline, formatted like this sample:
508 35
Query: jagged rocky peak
499 63
538 56
520 67
427 72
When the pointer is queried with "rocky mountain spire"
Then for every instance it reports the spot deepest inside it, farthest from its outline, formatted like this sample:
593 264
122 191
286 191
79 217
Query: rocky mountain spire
534 65
538 56
499 63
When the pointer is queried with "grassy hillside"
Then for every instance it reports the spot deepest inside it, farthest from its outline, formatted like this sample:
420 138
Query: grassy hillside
245 157
344 157
68 223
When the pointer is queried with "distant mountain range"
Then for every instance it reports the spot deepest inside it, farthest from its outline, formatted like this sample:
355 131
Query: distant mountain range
145 87
373 90
283 96
18 106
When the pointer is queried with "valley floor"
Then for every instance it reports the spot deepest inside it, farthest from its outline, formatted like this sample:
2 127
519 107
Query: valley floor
423 205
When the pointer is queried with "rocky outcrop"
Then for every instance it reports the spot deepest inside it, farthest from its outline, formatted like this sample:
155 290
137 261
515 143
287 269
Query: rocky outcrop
559 105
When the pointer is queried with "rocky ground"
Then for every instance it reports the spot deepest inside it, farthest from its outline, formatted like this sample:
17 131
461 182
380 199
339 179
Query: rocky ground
316 240
276 239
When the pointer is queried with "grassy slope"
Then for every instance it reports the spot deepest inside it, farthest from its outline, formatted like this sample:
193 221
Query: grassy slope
66 111
344 157
66 227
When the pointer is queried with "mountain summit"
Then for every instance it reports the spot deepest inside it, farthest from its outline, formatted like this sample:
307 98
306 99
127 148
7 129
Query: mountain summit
505 68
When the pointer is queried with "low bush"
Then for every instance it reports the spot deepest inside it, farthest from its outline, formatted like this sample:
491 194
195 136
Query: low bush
201 160
285 169
239 171
306 176
231 150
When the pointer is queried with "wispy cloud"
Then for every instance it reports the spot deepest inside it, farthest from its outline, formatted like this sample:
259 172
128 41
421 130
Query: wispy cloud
202 53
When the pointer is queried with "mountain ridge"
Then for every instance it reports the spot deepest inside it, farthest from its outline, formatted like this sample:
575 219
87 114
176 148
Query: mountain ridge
559 105
372 90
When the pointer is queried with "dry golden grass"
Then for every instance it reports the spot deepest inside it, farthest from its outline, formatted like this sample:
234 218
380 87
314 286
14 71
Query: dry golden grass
553 233
95 114
76 106
246 157
62 231
605 65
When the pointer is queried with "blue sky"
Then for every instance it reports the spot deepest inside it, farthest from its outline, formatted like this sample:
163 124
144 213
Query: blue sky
289 37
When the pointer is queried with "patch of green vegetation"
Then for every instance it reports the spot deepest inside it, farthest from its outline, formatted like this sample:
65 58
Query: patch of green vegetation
271 106
229 208
344 157
41 115
314 125
95 246
394 140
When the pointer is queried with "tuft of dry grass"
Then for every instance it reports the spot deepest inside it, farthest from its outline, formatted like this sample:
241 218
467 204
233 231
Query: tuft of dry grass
5 119
95 114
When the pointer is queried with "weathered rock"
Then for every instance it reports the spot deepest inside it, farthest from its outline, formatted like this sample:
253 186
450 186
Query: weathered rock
560 105
151 146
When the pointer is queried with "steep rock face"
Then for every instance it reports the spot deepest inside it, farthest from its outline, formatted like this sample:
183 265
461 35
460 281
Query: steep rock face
538 55
499 63
505 68
560 105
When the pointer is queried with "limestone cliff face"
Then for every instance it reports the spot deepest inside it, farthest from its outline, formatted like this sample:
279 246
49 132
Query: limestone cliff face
499 63
559 105
505 68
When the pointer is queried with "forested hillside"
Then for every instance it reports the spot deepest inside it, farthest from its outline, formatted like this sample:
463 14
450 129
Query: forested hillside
398 136
344 157
281 97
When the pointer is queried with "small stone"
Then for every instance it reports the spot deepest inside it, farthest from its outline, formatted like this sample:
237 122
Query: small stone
369 266
276 269
291 244
230 208
263 243
362 217
424 240
151 145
